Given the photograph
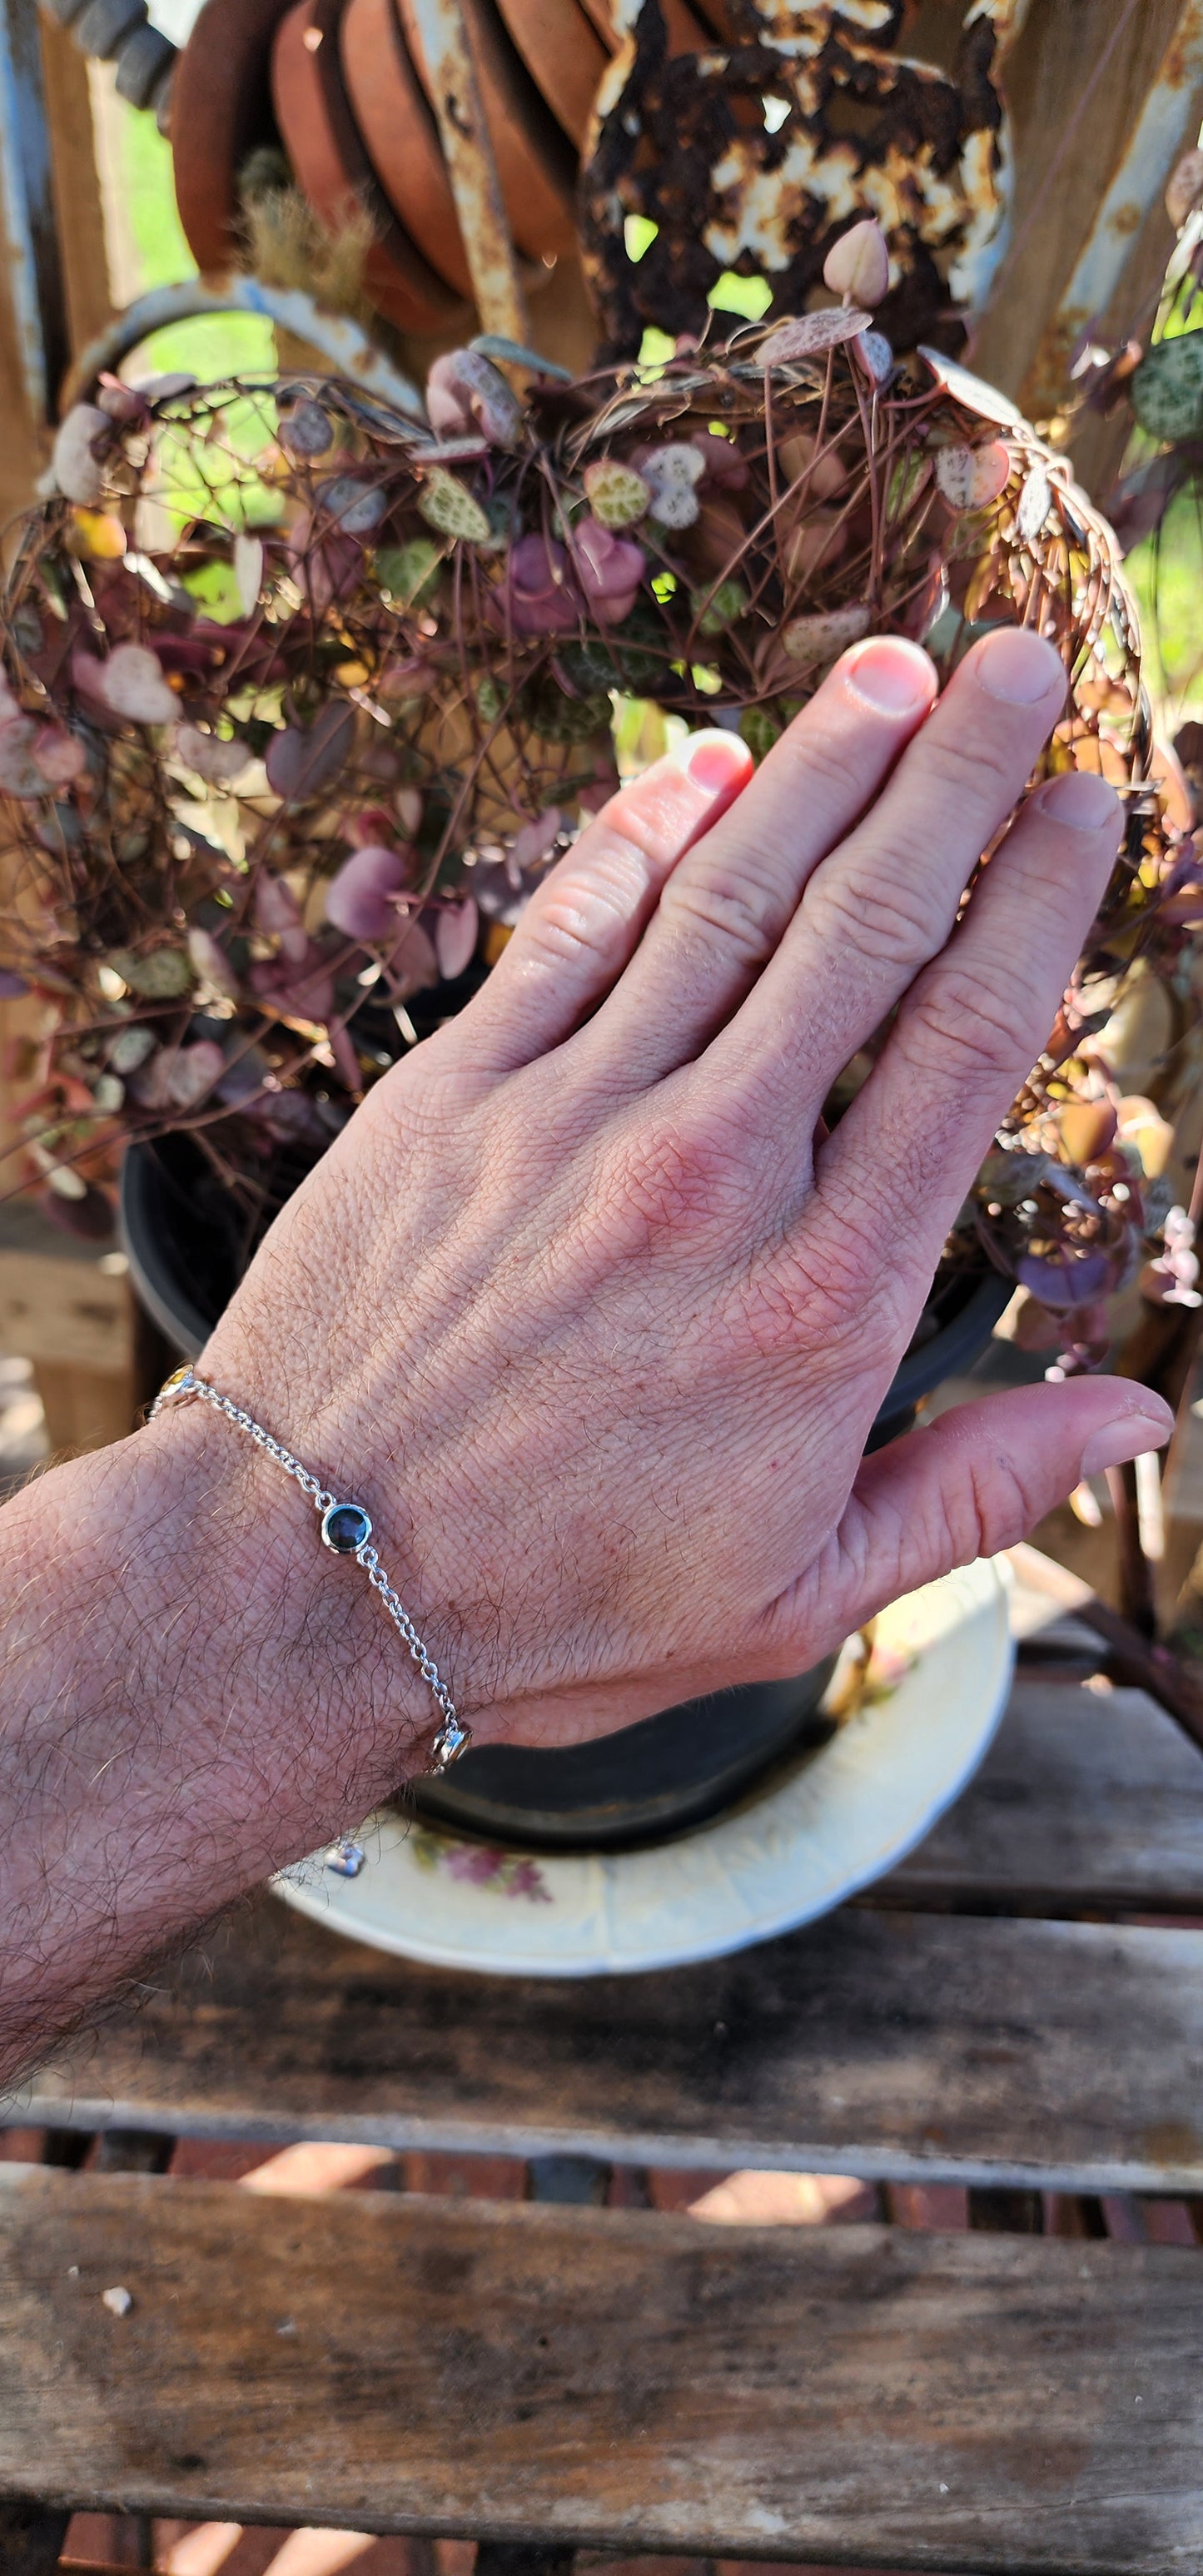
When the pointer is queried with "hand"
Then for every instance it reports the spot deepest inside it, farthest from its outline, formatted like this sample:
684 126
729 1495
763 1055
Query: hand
586 1306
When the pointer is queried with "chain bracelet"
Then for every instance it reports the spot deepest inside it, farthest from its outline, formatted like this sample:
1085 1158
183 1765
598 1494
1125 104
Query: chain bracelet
346 1529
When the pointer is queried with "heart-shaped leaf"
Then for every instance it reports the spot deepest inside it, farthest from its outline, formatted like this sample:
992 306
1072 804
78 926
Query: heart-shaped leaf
303 758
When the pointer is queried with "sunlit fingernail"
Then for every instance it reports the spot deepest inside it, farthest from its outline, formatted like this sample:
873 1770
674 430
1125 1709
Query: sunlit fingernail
1018 667
1078 798
893 677
1131 1437
716 760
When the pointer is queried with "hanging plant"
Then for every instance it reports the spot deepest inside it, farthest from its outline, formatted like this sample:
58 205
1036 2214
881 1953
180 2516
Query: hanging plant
300 702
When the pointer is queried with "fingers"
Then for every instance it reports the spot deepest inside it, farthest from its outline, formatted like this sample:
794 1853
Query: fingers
977 1481
723 911
578 931
972 1027
885 901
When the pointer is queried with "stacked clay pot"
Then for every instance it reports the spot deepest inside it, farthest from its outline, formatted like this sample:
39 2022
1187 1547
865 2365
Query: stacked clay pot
344 86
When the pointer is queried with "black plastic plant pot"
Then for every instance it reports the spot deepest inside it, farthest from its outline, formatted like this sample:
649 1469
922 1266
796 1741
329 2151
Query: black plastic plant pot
645 1783
641 1784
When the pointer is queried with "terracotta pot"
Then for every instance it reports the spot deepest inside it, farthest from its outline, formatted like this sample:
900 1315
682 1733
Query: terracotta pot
689 32
221 108
333 170
564 55
536 165
397 124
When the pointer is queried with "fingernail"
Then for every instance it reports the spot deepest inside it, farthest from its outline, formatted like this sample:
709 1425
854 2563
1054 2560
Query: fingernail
893 677
1079 799
1132 1436
716 760
1018 667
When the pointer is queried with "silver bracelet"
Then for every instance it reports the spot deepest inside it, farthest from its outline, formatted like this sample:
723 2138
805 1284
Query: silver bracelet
346 1529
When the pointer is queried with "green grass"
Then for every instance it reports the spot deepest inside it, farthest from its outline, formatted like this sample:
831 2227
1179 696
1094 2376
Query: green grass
224 345
1167 576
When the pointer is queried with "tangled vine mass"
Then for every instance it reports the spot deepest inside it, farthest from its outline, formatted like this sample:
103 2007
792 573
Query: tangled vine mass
300 699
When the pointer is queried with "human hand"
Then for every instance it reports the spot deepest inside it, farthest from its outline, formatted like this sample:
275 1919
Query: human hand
586 1307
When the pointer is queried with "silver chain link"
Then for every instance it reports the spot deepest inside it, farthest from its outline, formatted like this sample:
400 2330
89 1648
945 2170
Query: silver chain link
452 1738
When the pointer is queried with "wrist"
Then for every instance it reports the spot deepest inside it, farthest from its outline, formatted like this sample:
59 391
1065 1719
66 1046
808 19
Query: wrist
294 1646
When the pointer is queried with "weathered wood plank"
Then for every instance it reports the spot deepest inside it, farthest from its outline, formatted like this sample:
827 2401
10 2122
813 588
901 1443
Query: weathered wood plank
619 2379
1087 1802
917 2047
1077 81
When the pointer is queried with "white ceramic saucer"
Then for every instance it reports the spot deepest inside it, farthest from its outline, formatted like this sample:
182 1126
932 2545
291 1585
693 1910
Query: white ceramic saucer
812 1836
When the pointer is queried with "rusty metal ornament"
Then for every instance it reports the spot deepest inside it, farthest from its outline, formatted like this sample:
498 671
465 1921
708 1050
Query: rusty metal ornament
755 157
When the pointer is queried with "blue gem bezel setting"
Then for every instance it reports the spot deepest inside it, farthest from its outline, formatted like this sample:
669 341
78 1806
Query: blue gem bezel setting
345 1528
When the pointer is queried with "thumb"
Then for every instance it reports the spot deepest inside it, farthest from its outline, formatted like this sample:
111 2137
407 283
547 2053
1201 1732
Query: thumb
981 1477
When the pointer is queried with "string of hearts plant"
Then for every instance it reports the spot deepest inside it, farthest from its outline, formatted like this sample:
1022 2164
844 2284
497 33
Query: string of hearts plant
300 700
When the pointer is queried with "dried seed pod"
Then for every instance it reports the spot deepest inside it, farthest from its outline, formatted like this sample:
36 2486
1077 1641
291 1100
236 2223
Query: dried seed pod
858 265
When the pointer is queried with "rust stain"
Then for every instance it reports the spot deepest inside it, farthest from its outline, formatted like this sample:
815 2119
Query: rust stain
1177 69
854 129
1172 2144
1126 220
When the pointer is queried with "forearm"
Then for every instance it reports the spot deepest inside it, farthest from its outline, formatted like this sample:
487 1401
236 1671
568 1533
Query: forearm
194 1694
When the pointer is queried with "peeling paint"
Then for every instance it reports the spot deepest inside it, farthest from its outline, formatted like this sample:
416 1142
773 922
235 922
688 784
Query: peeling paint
856 130
1168 118
472 168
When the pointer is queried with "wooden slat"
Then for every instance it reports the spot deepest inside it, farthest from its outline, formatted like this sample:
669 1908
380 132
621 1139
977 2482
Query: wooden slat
68 1312
77 197
1067 148
1087 1802
1061 2054
618 2379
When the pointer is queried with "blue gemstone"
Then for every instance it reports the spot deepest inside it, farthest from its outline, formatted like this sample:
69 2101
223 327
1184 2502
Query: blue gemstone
346 1527
346 1858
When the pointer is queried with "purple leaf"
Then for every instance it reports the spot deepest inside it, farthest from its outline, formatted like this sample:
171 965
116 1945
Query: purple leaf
303 758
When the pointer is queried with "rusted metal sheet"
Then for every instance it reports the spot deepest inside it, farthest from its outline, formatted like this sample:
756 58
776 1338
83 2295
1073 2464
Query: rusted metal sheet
30 248
1168 120
447 43
754 157
336 339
